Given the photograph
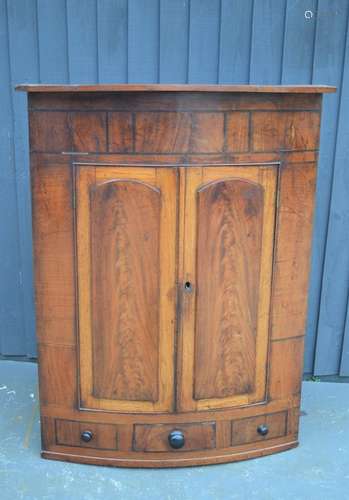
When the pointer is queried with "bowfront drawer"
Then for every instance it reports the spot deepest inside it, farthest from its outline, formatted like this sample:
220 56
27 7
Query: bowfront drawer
250 430
171 437
86 434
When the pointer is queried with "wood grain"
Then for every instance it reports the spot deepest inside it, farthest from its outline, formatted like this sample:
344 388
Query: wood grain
237 131
279 89
154 438
181 160
231 455
230 225
171 187
245 430
213 340
187 132
68 433
293 247
228 414
223 434
126 267
54 138
162 132
88 131
201 141
286 365
176 132
120 132
53 252
293 130
68 131
173 101
125 233
58 375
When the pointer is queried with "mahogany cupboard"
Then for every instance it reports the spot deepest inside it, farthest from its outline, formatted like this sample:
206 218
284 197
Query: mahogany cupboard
172 231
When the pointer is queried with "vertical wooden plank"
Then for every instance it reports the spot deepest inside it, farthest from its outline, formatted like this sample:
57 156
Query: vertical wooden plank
53 220
204 35
299 41
82 41
327 69
24 67
267 41
112 41
290 286
335 280
143 41
52 41
235 42
174 18
11 313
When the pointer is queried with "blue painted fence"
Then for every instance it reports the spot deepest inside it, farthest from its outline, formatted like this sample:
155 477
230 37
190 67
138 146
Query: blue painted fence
224 41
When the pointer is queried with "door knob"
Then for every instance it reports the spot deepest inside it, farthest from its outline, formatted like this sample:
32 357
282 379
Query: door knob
188 287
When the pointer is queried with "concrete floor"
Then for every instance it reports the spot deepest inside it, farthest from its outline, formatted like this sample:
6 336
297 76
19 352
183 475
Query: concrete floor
317 469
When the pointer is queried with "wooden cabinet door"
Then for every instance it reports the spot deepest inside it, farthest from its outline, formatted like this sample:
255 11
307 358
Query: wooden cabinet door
227 220
126 255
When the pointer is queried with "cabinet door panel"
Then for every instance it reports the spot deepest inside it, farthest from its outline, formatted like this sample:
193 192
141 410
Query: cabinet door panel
229 232
126 227
229 226
125 223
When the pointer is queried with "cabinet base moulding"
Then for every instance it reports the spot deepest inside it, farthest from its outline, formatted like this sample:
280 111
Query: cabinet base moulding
219 458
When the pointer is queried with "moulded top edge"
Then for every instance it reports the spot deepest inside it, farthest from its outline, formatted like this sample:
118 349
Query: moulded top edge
275 89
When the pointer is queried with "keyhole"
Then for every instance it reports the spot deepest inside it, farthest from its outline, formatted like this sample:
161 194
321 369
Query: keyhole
187 286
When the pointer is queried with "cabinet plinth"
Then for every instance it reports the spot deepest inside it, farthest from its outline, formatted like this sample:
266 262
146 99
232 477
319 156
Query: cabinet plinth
172 237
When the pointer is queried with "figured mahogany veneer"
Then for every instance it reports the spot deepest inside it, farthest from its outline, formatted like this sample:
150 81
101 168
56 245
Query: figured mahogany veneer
172 232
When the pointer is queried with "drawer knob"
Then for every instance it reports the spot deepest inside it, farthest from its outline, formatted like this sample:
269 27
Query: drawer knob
86 436
176 439
263 430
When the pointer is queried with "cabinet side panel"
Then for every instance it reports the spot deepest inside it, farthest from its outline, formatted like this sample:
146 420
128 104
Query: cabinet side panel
286 363
230 222
57 372
53 251
125 221
293 248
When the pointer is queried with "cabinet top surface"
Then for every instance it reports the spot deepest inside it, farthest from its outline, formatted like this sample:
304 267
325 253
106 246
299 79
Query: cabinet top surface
275 89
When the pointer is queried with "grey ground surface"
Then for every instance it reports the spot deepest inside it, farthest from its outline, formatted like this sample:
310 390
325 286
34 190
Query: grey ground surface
317 469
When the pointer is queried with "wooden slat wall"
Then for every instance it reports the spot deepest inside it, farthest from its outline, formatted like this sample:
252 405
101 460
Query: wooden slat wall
226 41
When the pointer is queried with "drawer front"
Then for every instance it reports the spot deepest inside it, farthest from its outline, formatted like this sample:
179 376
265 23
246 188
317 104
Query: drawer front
188 437
250 430
86 434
